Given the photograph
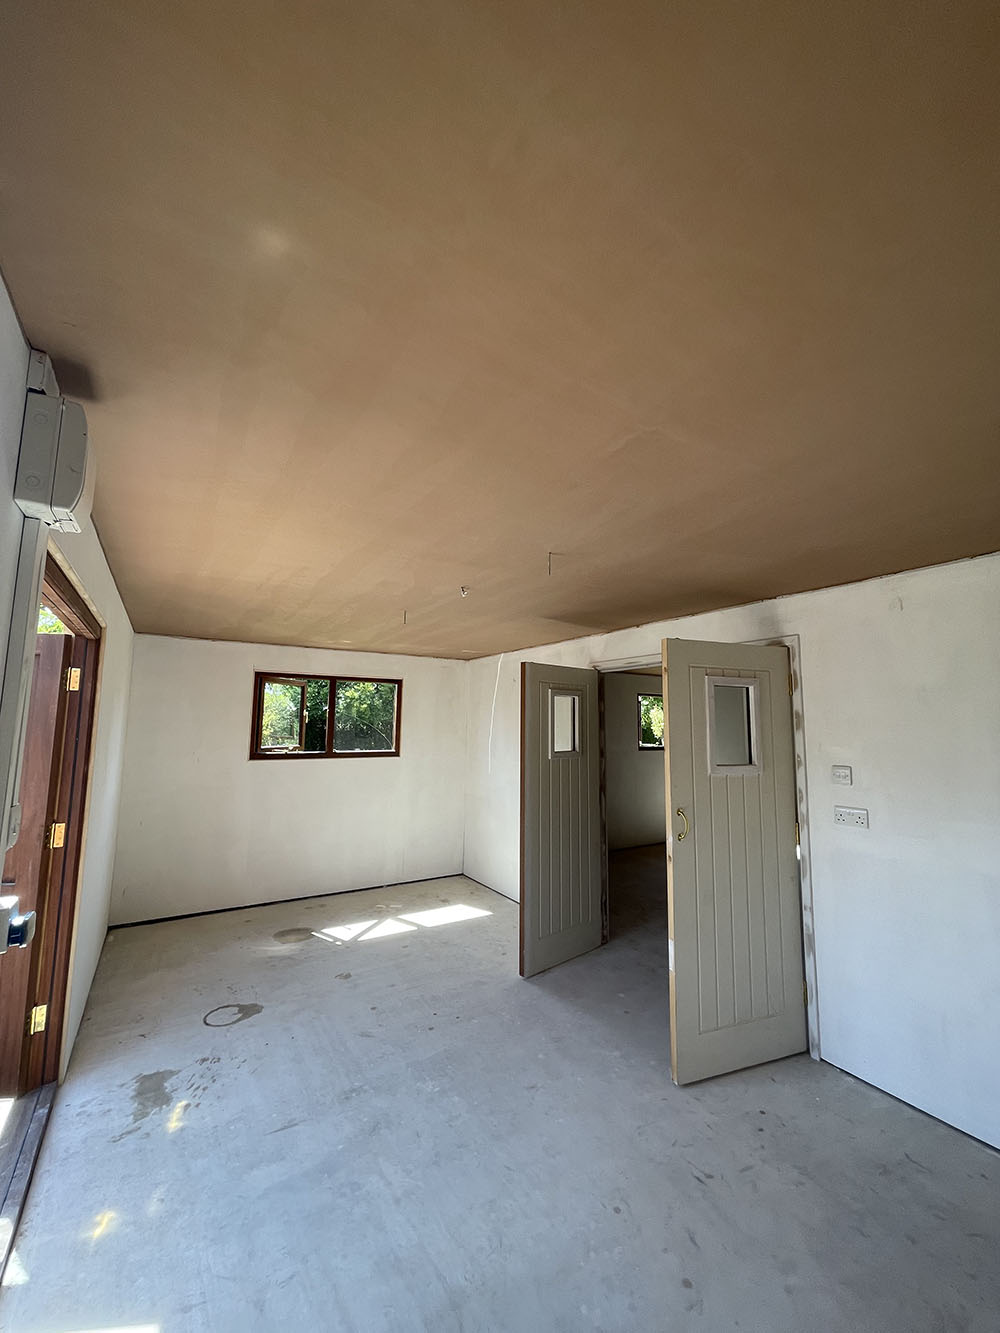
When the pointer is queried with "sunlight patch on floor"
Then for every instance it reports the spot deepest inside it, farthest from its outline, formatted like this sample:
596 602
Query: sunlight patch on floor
398 925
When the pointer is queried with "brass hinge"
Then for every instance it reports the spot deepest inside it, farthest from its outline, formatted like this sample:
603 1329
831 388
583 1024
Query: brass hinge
798 836
73 679
791 684
37 1019
57 835
805 994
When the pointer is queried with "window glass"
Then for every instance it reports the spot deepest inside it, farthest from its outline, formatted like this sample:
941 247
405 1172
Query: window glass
49 622
364 716
732 744
565 723
650 721
281 715
317 711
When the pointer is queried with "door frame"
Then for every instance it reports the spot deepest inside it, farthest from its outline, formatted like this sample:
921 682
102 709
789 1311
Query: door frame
50 969
792 643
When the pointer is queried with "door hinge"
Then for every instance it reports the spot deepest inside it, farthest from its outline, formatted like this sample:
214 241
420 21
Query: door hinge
37 1019
57 835
791 684
798 835
805 993
73 679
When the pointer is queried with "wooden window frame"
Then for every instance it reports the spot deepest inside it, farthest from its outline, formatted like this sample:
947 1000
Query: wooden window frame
262 678
645 694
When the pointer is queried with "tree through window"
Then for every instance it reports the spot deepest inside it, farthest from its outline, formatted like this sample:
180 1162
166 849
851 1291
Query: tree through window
292 717
650 721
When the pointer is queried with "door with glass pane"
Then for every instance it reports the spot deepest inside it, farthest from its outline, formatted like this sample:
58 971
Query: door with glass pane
733 896
560 816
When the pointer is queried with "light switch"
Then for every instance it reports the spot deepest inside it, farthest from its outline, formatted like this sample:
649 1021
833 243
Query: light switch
841 774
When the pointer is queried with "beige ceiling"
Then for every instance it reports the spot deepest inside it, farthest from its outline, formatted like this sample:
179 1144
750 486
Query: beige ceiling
374 300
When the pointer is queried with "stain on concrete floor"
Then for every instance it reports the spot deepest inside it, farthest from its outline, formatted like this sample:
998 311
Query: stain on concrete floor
228 1015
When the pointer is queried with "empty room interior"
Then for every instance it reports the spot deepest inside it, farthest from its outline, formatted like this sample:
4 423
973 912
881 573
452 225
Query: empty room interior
500 646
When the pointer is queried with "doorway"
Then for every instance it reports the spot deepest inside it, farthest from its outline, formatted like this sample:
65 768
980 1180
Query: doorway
41 869
735 911
633 804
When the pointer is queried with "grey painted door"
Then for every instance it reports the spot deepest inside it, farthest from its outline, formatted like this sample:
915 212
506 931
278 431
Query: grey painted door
733 896
560 816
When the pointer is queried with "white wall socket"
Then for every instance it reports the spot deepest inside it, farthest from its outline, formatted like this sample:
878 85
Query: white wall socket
851 815
842 775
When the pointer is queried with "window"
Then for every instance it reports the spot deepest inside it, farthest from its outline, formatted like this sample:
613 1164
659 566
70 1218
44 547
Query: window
732 726
565 722
650 721
293 717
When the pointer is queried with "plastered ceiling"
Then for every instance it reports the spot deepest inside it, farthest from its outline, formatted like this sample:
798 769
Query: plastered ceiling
372 301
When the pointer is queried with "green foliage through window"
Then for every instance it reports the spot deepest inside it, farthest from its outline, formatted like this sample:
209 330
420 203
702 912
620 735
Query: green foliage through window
49 622
365 715
280 725
651 721
293 716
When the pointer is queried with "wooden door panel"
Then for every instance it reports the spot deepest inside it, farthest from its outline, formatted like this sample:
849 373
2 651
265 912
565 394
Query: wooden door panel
50 978
26 864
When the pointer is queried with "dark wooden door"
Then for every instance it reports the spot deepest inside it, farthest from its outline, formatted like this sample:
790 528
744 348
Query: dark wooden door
27 864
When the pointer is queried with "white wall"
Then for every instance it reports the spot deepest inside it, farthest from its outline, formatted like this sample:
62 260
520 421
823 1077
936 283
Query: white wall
82 556
203 827
634 778
13 372
901 679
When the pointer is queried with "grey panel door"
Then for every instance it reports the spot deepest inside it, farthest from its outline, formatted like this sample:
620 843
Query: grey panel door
560 816
733 895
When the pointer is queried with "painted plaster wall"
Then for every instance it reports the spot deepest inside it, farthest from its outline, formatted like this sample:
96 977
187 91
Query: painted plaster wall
634 779
901 679
203 827
13 371
84 556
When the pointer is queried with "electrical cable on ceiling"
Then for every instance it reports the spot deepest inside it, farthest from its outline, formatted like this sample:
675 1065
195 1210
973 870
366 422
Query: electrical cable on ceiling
493 710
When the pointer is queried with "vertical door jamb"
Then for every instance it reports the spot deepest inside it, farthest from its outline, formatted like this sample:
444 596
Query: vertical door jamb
602 799
793 644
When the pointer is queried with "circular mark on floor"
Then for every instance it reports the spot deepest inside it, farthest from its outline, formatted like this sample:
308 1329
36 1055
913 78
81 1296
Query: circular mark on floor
294 935
225 1015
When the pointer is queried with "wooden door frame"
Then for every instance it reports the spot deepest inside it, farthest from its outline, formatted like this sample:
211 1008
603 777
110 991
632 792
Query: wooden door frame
793 644
49 977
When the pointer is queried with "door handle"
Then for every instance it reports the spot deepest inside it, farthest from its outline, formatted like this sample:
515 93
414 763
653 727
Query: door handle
21 930
687 827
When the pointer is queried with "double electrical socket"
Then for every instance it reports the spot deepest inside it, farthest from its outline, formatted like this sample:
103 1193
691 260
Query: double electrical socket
851 815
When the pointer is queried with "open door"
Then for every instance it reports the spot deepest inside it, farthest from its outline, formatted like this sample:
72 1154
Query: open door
27 864
560 816
734 905
42 868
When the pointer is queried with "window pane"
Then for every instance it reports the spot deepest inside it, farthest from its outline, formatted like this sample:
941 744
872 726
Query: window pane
731 745
281 715
49 622
651 721
565 723
317 708
365 715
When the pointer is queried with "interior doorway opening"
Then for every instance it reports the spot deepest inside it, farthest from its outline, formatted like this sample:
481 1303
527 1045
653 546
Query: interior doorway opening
633 805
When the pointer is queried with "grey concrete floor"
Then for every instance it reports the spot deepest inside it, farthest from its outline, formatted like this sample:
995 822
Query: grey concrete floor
265 1128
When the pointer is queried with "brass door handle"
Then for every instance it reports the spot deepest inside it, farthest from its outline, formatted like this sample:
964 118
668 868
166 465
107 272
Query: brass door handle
687 827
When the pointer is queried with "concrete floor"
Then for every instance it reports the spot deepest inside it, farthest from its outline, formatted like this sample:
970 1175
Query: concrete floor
266 1129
